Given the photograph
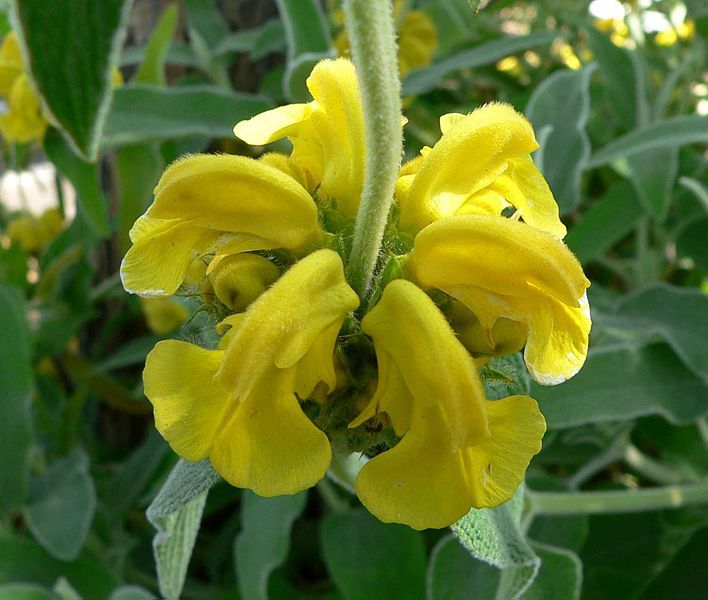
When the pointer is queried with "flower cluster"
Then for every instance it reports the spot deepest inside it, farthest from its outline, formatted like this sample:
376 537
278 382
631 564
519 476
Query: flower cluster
303 365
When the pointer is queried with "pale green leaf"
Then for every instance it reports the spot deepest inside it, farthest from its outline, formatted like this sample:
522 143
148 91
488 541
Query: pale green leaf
677 131
619 384
146 113
560 105
426 79
263 543
152 69
653 174
24 591
560 575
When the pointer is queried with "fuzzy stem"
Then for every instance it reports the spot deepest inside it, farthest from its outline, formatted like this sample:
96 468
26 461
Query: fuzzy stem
563 503
373 43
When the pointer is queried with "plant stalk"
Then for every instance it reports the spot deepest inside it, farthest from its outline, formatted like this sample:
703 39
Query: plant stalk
372 38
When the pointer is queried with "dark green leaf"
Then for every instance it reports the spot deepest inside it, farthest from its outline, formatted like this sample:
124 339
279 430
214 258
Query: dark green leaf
454 574
143 113
609 220
61 506
72 46
677 131
558 109
24 560
619 384
131 592
263 543
691 242
16 391
559 577
423 80
359 552
653 174
24 591
152 69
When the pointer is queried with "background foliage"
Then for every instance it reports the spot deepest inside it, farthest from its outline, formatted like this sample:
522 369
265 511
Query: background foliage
618 105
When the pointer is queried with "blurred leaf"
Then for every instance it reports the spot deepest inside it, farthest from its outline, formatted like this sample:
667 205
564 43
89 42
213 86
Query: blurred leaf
207 30
309 41
131 592
138 168
16 391
177 54
678 315
146 113
699 190
24 591
653 174
677 131
692 242
618 384
72 46
453 574
560 106
611 218
359 552
63 590
84 177
426 79
130 354
152 69
24 560
61 505
176 513
568 532
263 543
624 79
13 266
495 537
271 39
685 576
560 576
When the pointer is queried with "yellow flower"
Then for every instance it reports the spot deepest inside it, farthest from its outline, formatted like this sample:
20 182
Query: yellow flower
34 234
417 40
508 282
23 119
237 405
163 315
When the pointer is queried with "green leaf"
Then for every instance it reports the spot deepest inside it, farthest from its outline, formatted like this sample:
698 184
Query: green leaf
560 575
264 541
25 560
424 80
152 69
505 376
138 168
624 79
453 574
84 176
16 391
653 174
691 242
24 591
271 39
145 113
176 513
678 315
72 46
559 106
131 592
359 552
309 41
495 537
608 221
61 505
130 354
677 131
699 190
618 384
562 531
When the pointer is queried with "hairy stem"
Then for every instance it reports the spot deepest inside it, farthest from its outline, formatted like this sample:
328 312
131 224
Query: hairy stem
373 42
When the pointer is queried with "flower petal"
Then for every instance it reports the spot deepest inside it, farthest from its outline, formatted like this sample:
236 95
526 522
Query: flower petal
237 194
272 125
188 401
238 279
471 154
268 444
161 254
496 467
435 366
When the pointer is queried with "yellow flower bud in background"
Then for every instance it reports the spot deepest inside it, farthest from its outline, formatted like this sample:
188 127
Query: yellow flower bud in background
163 315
